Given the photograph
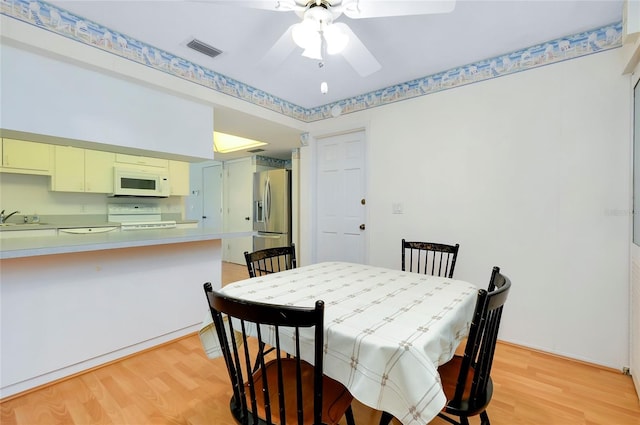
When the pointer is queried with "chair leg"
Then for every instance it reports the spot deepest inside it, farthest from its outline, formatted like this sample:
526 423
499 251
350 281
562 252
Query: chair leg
385 419
484 418
349 415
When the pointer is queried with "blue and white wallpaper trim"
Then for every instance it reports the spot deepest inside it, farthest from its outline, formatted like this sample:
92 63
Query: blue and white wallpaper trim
272 162
59 21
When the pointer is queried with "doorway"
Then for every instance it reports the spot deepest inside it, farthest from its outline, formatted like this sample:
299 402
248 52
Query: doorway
238 201
341 199
212 198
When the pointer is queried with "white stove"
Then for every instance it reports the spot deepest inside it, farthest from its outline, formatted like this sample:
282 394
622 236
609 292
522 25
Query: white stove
138 217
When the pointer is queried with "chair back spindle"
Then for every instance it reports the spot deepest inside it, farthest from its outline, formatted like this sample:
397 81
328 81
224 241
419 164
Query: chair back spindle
429 258
270 260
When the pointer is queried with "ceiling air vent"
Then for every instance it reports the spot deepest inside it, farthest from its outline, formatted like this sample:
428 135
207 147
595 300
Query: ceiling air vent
203 48
256 150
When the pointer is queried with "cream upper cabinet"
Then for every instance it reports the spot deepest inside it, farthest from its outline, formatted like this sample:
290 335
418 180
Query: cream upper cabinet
98 171
68 171
141 160
19 156
179 178
82 170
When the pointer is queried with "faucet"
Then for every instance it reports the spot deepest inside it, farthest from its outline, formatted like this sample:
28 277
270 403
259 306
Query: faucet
4 218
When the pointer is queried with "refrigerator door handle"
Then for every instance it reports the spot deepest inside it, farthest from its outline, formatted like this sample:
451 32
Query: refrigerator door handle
259 235
267 200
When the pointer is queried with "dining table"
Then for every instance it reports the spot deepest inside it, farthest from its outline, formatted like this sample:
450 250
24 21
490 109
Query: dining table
386 331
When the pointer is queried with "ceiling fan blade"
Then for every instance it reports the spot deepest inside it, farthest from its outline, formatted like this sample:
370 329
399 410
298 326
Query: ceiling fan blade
279 52
358 9
356 53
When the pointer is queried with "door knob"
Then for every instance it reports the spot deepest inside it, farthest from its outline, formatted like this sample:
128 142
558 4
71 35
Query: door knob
204 216
247 218
362 227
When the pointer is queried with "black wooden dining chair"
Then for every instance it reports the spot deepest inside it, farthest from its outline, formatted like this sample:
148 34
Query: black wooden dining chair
436 259
466 379
279 389
270 260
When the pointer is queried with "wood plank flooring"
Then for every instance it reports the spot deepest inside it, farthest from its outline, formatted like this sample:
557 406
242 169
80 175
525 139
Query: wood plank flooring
177 384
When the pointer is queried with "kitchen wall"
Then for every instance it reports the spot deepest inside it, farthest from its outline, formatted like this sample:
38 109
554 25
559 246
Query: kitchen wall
54 98
30 195
529 172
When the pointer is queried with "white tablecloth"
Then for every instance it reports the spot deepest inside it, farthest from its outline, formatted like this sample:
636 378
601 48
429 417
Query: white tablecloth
386 331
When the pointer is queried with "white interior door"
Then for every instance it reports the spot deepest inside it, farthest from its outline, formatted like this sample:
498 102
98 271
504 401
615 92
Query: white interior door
212 198
237 208
341 199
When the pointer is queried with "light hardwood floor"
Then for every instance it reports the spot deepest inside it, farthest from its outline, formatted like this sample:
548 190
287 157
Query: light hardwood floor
177 384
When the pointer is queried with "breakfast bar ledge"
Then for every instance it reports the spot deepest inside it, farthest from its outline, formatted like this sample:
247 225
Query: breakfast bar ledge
70 303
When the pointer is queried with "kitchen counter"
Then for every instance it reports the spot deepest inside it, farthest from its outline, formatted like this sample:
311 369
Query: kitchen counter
64 244
73 302
91 223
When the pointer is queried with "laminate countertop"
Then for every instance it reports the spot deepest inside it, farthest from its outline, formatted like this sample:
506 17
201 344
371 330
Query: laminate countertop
65 244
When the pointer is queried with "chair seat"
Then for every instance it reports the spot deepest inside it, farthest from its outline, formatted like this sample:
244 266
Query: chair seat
449 376
336 399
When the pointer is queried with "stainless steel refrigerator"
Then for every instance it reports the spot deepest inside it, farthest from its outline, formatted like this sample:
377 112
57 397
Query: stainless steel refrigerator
271 209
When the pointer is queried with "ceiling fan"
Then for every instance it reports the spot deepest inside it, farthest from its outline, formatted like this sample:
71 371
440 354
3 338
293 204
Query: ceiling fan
318 33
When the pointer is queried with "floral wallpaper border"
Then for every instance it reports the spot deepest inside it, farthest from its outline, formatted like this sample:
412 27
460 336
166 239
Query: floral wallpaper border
272 162
60 21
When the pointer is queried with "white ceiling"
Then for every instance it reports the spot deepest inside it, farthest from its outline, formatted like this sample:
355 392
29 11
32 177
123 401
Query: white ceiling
407 47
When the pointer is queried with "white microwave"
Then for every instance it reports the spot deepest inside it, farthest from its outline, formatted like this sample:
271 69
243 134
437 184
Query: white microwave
130 182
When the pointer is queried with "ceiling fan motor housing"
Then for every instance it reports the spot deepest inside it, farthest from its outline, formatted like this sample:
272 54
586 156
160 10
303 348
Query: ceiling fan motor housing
321 15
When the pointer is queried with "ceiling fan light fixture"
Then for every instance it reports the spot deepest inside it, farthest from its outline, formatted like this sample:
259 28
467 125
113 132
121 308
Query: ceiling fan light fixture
304 34
336 39
317 23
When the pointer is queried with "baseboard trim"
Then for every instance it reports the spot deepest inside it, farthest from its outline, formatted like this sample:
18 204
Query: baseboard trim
560 356
93 368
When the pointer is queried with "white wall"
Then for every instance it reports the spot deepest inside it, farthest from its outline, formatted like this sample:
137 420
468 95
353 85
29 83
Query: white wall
635 249
47 96
527 172
63 314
